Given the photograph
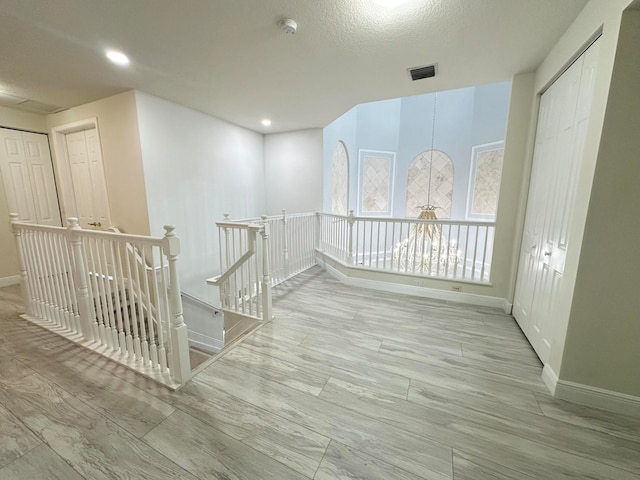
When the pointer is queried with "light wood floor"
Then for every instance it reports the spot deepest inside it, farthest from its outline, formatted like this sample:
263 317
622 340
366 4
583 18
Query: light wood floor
345 383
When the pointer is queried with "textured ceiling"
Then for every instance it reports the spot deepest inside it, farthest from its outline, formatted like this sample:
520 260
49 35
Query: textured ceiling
228 58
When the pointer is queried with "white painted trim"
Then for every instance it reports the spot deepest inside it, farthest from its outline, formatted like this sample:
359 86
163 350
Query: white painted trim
6 281
204 342
392 180
400 274
590 396
507 307
475 150
335 273
458 297
550 378
67 197
598 398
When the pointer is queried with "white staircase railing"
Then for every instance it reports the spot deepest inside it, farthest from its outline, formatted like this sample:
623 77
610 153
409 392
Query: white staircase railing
292 240
441 249
91 287
255 255
245 284
437 249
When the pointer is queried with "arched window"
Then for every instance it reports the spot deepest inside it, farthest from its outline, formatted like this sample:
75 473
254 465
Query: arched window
430 182
340 180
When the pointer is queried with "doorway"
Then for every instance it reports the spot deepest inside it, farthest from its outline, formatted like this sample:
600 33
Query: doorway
84 188
560 138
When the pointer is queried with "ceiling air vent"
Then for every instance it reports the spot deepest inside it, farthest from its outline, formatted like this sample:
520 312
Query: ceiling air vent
418 73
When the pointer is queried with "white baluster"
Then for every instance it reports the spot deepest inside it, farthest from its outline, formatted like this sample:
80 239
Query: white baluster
126 340
153 349
80 279
457 246
117 292
65 281
475 253
45 277
227 286
285 244
143 317
319 231
350 222
484 252
162 351
243 240
180 366
133 308
95 290
466 251
34 273
24 283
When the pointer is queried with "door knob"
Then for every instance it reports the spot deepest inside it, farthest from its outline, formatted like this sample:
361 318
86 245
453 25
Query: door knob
95 224
547 254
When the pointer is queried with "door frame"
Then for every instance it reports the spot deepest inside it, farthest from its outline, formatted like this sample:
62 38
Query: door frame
58 138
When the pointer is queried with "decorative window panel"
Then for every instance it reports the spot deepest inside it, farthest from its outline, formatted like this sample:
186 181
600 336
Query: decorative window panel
430 182
376 182
485 180
340 180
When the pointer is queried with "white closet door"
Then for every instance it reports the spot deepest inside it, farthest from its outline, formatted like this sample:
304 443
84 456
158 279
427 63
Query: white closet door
98 181
27 174
559 147
87 176
45 197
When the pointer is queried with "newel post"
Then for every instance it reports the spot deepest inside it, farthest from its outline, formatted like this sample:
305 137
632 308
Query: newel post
81 279
24 285
285 244
267 302
351 220
179 362
225 288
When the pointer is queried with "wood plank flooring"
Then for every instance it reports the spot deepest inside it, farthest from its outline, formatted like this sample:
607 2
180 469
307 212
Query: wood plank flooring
345 383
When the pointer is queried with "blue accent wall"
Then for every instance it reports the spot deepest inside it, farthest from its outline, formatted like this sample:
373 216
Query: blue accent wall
464 118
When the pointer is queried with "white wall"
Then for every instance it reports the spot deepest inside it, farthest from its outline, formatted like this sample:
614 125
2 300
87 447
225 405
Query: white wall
293 171
605 14
10 118
514 186
602 347
118 129
196 168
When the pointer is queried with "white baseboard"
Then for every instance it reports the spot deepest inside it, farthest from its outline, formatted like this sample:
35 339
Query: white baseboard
550 378
204 342
507 307
598 397
590 396
6 281
458 297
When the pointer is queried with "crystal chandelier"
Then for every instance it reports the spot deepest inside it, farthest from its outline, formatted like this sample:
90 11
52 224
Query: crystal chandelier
426 249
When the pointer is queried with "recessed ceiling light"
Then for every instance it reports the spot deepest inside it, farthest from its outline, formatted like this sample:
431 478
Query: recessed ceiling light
389 3
266 122
117 57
